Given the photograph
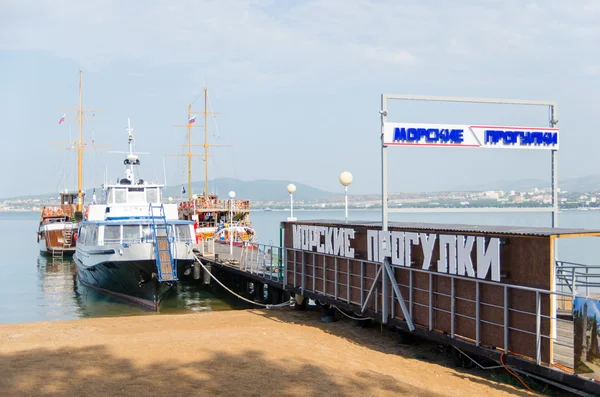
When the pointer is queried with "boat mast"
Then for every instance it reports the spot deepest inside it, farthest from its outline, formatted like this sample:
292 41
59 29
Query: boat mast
80 146
189 153
206 145
80 112
189 145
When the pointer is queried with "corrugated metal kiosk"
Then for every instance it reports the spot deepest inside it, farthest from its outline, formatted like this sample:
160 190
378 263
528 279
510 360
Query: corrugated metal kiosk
494 287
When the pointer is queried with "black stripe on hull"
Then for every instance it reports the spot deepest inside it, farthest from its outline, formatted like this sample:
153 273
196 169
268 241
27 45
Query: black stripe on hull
128 280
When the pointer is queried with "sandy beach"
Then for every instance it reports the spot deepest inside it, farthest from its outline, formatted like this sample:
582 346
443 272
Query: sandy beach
235 353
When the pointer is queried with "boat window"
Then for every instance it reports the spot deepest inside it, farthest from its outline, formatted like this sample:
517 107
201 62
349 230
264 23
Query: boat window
182 233
82 233
90 235
136 195
152 195
131 234
147 234
120 196
112 234
93 236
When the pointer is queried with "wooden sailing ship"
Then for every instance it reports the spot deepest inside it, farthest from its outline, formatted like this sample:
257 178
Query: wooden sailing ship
57 230
58 227
224 220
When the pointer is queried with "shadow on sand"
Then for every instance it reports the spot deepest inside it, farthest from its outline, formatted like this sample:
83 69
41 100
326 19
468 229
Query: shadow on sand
380 339
94 371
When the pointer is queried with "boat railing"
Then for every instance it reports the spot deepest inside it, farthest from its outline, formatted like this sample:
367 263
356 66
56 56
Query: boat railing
64 210
241 233
207 224
214 204
147 239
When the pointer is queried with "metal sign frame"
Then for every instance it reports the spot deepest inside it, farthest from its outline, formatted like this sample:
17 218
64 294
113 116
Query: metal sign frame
387 276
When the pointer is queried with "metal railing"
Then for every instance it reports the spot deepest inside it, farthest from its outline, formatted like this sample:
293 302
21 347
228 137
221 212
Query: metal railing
577 278
356 282
206 247
262 259
304 268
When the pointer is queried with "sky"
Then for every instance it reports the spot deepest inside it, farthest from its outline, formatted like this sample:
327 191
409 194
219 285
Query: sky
298 85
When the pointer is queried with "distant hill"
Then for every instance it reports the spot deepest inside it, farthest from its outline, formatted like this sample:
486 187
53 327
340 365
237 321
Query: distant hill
275 190
257 190
589 183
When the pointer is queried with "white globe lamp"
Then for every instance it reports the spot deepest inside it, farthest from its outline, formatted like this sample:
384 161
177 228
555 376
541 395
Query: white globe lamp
291 188
345 180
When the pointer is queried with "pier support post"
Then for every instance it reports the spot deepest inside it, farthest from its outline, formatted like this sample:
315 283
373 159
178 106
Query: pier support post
275 296
300 302
259 292
327 313
206 276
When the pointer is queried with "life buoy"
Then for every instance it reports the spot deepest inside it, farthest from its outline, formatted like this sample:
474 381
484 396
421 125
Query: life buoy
59 212
87 211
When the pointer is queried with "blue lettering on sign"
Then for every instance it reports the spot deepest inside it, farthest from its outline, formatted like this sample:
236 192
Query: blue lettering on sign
521 138
430 135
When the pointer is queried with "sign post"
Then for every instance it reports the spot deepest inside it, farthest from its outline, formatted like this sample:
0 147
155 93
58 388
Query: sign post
465 136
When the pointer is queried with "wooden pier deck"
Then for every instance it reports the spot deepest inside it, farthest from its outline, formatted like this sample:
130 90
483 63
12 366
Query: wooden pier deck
563 347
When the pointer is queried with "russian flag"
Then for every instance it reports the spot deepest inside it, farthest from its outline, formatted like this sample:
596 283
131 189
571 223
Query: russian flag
192 120
62 119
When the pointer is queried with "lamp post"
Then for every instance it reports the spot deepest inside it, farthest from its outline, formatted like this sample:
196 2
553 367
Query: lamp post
291 188
346 179
231 197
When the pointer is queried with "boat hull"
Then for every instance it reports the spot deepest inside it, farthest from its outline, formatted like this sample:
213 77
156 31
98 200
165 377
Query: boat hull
132 280
51 239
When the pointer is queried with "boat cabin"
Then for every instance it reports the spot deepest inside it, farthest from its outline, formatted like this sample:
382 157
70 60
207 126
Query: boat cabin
68 198
126 193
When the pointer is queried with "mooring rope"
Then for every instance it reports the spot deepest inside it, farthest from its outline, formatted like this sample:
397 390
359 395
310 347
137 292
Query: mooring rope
267 306
352 318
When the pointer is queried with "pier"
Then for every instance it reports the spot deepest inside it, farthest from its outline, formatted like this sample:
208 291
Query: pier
491 292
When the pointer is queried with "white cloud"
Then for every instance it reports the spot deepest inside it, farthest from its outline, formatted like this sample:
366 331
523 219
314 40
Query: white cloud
283 43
